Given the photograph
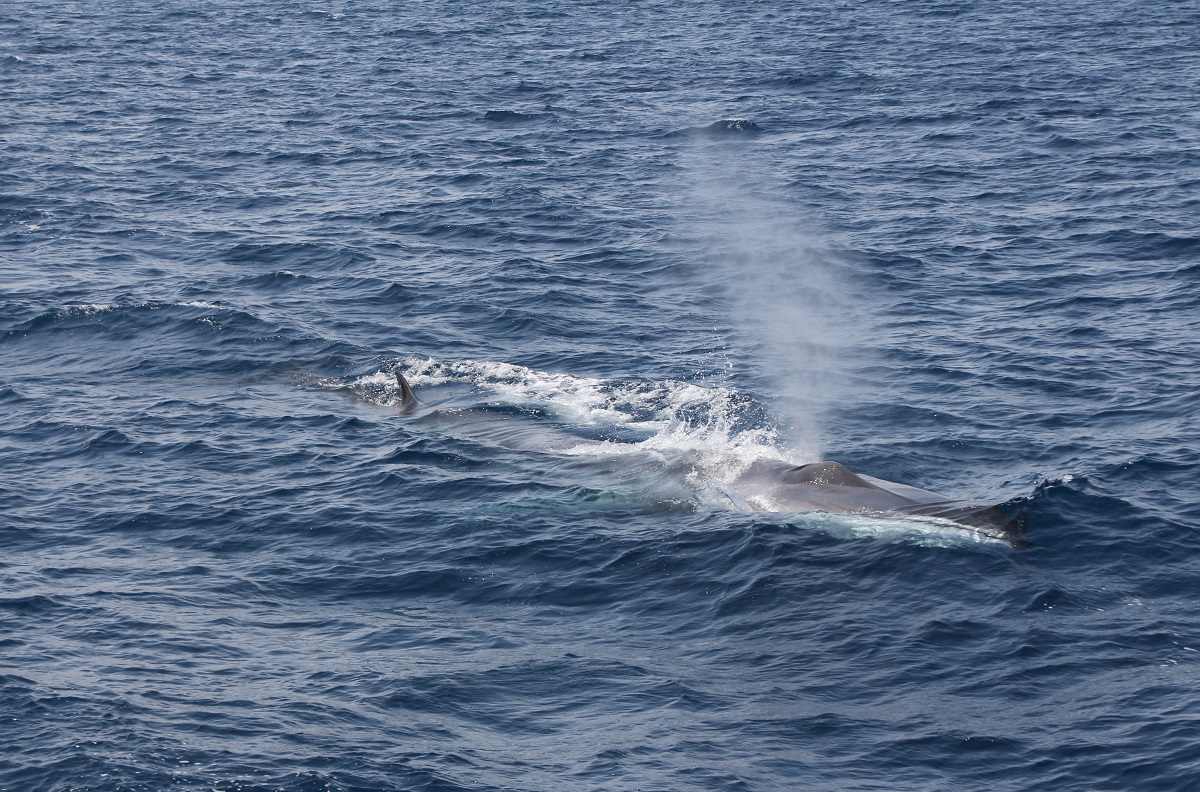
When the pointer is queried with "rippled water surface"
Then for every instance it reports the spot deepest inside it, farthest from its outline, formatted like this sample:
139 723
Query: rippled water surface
621 254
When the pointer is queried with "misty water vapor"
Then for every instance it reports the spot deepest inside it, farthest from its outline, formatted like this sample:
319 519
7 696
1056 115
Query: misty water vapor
789 297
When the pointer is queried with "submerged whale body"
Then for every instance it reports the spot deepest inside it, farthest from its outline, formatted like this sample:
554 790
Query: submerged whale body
726 128
777 486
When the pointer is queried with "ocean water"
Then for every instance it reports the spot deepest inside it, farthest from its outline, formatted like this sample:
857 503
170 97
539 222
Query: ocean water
620 253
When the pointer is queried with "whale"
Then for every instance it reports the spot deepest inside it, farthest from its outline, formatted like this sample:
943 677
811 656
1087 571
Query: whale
772 485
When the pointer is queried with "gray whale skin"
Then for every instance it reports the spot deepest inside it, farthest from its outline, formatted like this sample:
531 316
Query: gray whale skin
775 486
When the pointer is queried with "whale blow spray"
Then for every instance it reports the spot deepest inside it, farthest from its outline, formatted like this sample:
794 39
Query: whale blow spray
791 308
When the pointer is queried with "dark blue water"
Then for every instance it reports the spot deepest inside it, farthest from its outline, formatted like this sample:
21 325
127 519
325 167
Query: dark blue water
951 244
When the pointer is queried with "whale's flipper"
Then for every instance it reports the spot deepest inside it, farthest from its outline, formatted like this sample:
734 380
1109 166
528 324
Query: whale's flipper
408 399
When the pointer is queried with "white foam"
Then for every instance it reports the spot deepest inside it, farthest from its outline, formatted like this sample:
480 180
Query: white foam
681 418
576 399
88 309
91 309
378 388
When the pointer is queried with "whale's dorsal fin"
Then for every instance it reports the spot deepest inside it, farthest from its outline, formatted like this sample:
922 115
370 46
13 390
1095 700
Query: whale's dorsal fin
408 399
